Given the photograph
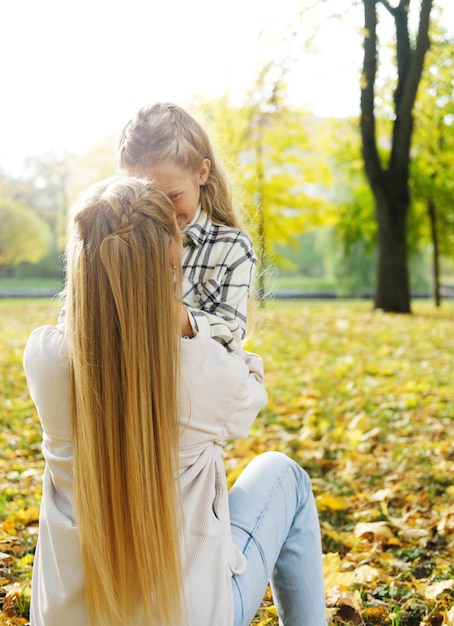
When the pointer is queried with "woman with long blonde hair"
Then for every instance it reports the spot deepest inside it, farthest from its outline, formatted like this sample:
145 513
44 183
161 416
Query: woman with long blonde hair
122 346
136 527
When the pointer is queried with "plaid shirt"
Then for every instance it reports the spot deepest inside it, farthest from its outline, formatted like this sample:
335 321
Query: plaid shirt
218 268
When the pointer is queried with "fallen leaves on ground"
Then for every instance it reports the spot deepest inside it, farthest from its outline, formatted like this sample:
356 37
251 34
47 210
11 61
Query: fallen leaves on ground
363 400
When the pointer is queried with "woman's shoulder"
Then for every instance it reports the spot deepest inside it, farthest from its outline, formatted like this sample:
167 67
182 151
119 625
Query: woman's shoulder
48 336
46 348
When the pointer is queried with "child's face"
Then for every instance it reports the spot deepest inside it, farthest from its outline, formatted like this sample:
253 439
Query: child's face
182 188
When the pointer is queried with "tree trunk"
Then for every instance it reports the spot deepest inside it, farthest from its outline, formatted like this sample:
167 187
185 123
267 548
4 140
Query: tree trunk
436 255
261 211
392 291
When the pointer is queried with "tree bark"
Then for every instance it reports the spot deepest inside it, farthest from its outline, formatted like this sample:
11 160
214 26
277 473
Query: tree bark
392 292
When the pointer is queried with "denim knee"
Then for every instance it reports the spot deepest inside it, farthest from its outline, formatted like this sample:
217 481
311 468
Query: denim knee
282 462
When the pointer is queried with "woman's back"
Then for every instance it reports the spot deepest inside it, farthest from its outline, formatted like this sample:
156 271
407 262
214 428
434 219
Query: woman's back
221 395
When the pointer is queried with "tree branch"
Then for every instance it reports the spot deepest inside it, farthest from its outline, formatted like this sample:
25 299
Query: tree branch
403 49
387 6
410 70
367 122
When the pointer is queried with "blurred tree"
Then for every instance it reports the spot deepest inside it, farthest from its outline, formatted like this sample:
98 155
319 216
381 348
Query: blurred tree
24 236
91 167
52 182
49 185
432 184
280 168
277 155
43 186
431 219
389 181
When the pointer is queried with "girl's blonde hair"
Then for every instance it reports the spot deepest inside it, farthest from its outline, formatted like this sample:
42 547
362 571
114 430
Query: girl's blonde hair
123 326
166 132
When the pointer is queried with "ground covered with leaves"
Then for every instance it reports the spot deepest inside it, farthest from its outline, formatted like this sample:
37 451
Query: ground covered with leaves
363 400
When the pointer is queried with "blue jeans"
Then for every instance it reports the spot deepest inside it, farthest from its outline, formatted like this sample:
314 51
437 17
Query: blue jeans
275 524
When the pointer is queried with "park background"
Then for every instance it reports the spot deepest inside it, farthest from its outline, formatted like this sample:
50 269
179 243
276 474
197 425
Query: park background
359 396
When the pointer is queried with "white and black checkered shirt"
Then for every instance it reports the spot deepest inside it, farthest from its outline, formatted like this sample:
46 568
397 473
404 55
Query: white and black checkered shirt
218 269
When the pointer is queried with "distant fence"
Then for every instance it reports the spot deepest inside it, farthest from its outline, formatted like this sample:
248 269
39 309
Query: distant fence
446 292
29 292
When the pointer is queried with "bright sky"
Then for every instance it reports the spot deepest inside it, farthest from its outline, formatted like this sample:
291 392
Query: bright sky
74 72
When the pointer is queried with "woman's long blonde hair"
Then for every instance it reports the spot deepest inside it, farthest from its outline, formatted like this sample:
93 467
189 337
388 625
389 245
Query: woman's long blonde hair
166 132
123 330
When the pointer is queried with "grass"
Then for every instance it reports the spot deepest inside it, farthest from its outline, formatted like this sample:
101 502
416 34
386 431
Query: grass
30 283
361 399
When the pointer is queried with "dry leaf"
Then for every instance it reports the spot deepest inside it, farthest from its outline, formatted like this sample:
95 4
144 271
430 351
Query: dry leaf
379 530
365 574
334 577
434 590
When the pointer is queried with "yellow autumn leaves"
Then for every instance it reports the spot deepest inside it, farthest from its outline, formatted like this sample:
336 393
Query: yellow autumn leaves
363 400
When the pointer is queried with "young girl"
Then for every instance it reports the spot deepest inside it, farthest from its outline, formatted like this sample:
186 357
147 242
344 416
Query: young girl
136 525
164 143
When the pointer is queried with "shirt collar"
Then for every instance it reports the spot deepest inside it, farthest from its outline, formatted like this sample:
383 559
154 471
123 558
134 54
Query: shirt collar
197 231
193 221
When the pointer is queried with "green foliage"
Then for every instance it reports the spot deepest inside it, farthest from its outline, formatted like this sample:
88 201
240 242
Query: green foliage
306 255
43 185
356 208
277 158
433 151
47 186
24 236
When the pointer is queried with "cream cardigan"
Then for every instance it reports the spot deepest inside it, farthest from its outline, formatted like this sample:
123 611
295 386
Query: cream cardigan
222 394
